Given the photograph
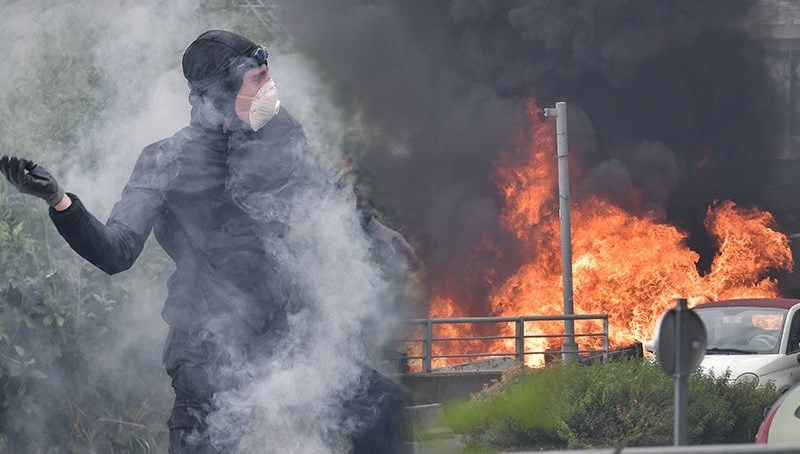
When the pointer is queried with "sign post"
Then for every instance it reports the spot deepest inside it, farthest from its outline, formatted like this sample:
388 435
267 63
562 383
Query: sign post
680 348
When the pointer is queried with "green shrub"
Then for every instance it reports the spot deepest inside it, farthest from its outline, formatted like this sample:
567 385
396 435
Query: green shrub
63 376
62 386
622 403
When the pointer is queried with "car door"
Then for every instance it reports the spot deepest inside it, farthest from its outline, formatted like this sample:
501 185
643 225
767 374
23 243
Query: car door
791 361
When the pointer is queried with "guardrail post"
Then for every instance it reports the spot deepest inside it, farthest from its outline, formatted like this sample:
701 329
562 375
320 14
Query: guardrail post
427 348
519 337
605 340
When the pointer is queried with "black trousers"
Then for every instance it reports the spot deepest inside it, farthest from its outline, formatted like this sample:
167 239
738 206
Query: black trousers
194 361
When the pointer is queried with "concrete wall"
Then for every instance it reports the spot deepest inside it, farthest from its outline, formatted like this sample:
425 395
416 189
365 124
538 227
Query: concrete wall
445 387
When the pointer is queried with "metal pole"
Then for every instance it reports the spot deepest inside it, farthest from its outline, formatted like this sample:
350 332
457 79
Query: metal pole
569 349
681 376
427 340
519 335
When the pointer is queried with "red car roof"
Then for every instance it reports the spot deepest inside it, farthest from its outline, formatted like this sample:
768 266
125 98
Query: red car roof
783 303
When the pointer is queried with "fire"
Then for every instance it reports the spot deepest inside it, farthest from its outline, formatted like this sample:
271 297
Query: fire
628 266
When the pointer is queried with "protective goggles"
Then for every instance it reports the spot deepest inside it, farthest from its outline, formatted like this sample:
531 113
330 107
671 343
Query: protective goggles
260 55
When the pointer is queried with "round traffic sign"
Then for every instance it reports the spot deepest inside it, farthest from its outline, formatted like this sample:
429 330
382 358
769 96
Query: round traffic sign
682 340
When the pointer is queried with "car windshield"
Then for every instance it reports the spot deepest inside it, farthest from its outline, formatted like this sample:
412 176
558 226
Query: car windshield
743 330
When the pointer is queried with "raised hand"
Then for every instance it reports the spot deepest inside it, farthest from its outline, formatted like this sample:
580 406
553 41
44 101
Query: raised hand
32 179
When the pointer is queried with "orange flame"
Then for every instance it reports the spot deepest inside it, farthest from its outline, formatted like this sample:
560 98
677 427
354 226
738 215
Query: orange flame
628 266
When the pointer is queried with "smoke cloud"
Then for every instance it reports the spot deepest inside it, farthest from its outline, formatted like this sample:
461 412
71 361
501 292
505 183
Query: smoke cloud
669 109
293 399
87 84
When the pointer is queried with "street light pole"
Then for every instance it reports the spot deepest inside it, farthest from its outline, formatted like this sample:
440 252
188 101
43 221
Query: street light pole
569 349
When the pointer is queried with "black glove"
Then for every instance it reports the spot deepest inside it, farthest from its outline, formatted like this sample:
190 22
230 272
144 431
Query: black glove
31 179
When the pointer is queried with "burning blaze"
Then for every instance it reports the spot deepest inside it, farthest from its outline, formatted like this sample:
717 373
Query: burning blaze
628 266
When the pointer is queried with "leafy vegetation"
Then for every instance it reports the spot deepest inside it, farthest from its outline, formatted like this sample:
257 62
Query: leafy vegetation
61 373
80 368
623 403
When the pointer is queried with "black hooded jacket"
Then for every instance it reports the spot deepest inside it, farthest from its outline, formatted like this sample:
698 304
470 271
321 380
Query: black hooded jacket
218 199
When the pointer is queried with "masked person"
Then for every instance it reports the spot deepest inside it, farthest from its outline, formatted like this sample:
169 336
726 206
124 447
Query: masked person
217 195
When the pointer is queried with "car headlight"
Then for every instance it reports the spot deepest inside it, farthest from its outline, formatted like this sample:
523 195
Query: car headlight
747 377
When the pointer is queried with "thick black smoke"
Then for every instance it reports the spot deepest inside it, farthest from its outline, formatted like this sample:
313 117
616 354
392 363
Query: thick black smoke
669 109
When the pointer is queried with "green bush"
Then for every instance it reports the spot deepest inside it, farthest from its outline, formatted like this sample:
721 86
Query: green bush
63 385
623 403
65 381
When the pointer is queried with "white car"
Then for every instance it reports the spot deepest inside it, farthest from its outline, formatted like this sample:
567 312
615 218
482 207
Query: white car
755 339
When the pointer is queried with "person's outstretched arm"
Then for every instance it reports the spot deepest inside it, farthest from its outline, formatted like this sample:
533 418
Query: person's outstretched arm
112 247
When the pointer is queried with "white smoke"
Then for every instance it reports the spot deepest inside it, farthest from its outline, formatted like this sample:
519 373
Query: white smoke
312 102
136 48
293 400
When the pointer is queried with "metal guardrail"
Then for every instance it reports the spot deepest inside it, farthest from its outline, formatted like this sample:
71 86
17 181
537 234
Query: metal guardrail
788 448
519 336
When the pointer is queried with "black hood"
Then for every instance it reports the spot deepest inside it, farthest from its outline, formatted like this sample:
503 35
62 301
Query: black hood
214 65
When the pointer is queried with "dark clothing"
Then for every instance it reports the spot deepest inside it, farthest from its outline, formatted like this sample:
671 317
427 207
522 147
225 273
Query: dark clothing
189 441
380 407
377 407
229 281
218 199
381 403
181 188
215 55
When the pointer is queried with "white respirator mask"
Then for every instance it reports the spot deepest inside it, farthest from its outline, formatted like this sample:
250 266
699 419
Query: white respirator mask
263 106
